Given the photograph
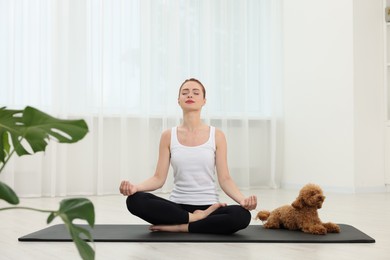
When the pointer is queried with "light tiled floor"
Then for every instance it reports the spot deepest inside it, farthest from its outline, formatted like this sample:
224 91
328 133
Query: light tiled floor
368 212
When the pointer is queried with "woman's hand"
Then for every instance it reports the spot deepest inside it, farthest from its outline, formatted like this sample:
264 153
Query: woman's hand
127 189
249 203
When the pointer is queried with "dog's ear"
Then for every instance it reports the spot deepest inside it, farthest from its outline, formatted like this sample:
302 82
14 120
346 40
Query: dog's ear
298 203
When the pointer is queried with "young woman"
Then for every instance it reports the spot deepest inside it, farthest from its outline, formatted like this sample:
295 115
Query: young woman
194 150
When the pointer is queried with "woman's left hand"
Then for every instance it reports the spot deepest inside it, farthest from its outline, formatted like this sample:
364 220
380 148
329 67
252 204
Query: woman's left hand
249 203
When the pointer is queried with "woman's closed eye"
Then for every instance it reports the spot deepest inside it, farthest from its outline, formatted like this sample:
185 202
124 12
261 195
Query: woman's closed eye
187 92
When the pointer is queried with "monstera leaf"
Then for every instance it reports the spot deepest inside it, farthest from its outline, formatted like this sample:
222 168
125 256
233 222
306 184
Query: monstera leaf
36 128
7 194
29 131
9 124
77 208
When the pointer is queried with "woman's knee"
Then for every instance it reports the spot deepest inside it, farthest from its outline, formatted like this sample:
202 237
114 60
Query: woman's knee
246 218
135 201
239 219
242 217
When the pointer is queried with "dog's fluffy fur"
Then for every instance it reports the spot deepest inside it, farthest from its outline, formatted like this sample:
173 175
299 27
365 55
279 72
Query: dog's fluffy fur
301 215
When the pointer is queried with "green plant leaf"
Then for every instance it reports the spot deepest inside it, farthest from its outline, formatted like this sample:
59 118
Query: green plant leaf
7 194
5 144
10 124
39 126
36 127
85 250
77 208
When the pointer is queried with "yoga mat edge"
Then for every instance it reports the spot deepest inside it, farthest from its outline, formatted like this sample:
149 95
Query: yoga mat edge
252 234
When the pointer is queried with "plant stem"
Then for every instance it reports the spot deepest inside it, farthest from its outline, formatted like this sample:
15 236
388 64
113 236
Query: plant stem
28 208
5 162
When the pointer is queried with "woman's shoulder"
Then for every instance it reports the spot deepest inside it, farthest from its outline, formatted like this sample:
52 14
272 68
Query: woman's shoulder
219 134
218 131
166 136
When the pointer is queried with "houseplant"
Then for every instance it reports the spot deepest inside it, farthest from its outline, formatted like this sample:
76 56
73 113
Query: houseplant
28 131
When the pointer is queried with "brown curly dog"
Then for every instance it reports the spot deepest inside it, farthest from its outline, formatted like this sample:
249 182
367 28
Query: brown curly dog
301 215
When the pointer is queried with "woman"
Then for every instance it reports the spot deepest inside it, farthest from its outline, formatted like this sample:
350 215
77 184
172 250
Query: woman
194 150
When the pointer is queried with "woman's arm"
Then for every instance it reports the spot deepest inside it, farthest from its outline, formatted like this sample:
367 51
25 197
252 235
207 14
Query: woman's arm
225 181
158 179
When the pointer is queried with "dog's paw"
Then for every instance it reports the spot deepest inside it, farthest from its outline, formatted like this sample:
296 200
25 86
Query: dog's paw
271 225
332 227
315 230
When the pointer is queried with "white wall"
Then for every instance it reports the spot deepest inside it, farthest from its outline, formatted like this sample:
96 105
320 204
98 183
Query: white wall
368 95
332 93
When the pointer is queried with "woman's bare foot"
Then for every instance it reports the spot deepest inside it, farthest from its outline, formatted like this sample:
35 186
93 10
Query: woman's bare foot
201 214
197 215
169 228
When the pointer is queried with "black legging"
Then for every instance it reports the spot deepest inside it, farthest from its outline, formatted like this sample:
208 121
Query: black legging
159 211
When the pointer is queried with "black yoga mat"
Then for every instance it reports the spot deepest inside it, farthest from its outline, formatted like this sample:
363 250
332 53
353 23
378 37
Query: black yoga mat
252 234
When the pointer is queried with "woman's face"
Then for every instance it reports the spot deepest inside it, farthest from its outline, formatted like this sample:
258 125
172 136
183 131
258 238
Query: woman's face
191 96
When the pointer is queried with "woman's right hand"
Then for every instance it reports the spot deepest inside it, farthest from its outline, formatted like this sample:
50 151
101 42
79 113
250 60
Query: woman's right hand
127 189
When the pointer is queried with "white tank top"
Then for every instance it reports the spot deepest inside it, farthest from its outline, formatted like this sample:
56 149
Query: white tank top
194 171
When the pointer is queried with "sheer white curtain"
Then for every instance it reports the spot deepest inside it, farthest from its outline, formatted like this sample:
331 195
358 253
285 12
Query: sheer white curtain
119 65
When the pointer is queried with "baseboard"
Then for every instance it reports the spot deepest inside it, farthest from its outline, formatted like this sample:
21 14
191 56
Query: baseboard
374 189
345 190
